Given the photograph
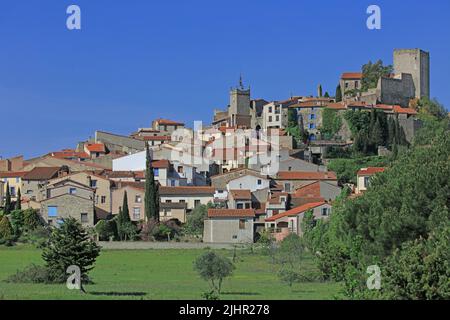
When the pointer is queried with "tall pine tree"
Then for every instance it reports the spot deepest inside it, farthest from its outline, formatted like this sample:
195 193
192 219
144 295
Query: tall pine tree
7 199
151 190
338 96
19 201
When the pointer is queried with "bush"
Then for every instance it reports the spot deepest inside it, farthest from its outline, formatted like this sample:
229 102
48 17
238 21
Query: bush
6 231
106 229
31 274
213 268
31 219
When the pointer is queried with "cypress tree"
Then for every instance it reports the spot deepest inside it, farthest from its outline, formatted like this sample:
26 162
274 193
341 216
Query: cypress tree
6 230
338 93
391 132
125 210
19 201
377 134
7 200
151 190
326 95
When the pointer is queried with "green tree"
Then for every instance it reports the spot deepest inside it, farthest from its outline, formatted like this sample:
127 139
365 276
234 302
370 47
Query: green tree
19 201
6 231
338 96
372 72
326 95
390 226
151 189
68 245
431 107
31 220
17 222
195 220
213 268
320 91
7 208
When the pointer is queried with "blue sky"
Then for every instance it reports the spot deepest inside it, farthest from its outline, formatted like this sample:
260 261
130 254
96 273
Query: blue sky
137 60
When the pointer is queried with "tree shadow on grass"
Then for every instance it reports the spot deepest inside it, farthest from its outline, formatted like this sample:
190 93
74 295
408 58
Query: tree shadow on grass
119 294
241 293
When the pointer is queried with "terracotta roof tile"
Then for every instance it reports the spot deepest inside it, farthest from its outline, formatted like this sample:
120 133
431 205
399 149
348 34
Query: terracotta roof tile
42 173
95 147
296 211
241 194
352 76
370 171
13 174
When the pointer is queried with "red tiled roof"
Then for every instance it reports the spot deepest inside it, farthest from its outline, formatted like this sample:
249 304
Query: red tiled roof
296 211
238 213
155 138
169 122
370 171
95 147
305 175
310 190
352 75
336 106
398 109
42 173
241 194
161 164
63 154
13 174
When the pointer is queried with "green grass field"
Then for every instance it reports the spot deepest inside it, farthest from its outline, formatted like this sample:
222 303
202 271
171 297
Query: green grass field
159 274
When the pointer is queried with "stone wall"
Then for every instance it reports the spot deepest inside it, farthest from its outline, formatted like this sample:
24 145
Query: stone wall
69 206
116 142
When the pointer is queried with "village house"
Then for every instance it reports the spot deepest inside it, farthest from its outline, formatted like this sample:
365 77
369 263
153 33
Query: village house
11 164
12 179
68 198
34 181
282 224
100 184
239 199
244 178
364 177
172 211
229 226
167 127
135 194
95 150
291 180
191 196
315 192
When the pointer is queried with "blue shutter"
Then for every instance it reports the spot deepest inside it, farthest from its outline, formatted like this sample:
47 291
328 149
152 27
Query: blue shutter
52 211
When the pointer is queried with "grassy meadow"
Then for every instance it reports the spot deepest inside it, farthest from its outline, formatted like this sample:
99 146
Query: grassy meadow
159 274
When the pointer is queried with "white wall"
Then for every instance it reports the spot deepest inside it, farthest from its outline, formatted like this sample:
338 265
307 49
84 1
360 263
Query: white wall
132 162
248 182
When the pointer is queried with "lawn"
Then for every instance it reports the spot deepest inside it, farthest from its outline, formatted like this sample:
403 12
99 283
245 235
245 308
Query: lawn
159 274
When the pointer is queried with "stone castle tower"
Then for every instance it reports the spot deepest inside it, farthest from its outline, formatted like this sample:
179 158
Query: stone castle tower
417 63
239 110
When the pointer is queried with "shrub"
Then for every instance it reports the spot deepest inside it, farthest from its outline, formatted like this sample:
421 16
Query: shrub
31 274
6 231
213 268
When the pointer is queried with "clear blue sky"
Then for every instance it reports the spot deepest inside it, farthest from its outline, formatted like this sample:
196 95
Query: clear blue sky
137 60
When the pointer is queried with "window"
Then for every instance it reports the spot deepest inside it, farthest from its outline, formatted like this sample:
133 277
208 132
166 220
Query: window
156 172
182 201
287 187
73 191
312 116
356 84
29 191
247 206
168 201
136 213
325 212
172 183
52 211
219 191
103 199
12 191
240 206
93 183
234 237
366 182
84 218
180 170
290 169
277 118
17 180
241 224
312 125
138 199
346 85
259 182
196 203
270 118
270 109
